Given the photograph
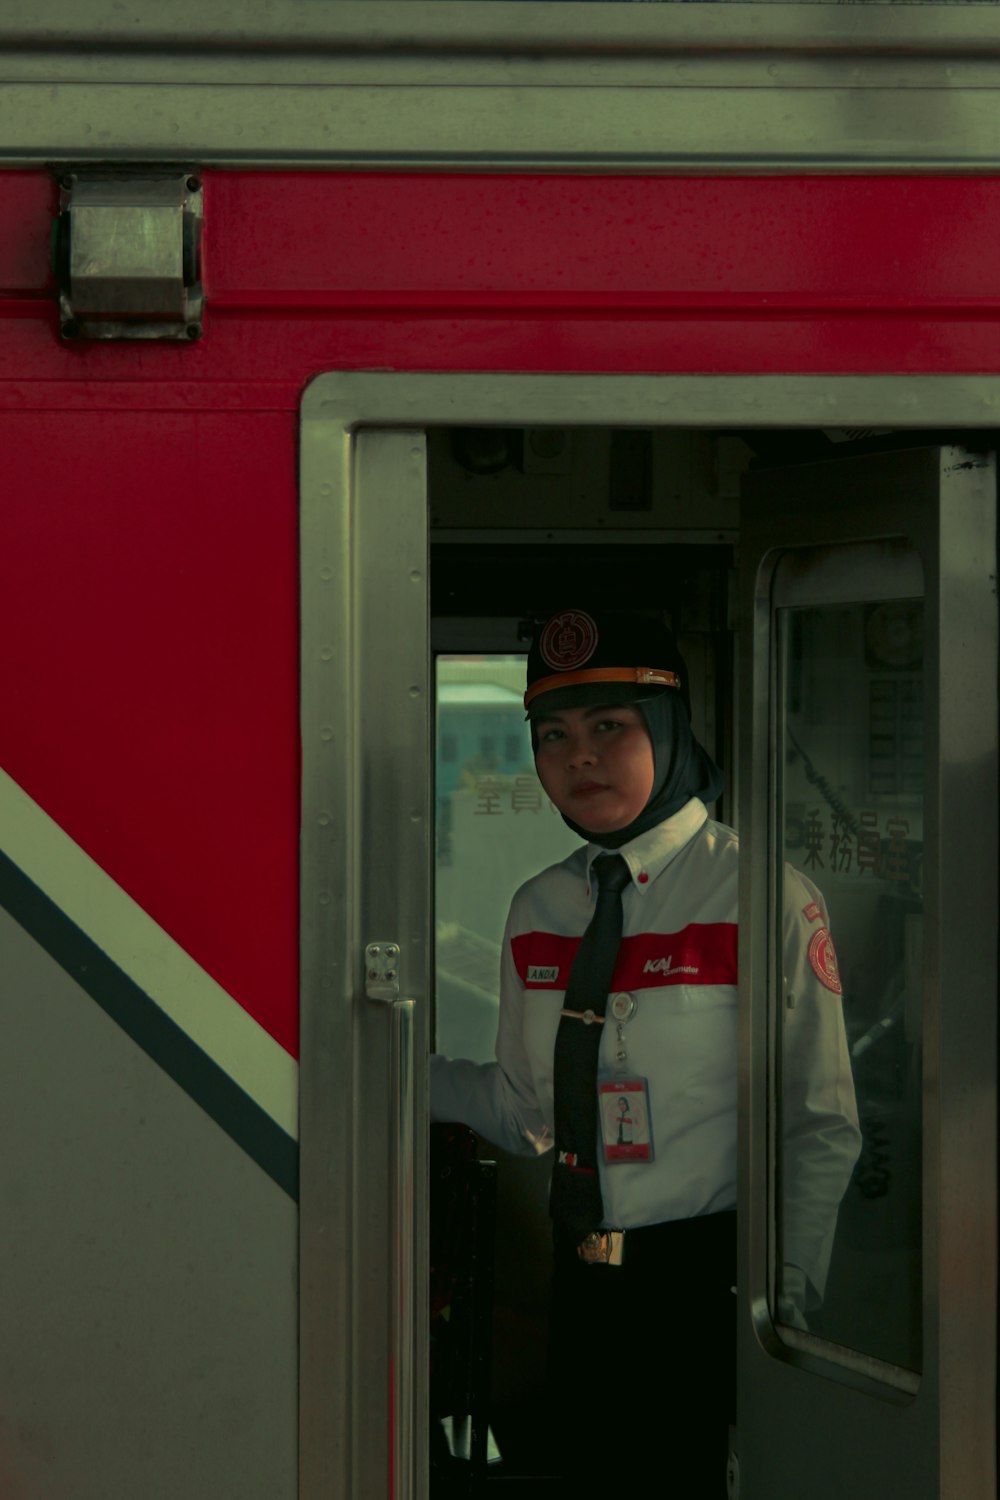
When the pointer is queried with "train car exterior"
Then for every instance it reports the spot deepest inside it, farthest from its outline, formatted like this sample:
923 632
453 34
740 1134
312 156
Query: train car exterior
257 263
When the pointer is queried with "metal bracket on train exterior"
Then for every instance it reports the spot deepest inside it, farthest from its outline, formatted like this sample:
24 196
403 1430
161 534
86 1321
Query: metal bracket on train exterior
127 254
382 971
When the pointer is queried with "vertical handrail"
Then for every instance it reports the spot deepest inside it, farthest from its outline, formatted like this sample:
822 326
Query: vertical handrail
403 1476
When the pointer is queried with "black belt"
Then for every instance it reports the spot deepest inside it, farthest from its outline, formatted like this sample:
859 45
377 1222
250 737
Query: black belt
617 1247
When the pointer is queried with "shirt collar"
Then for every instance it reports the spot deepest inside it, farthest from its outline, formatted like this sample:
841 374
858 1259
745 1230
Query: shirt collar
650 853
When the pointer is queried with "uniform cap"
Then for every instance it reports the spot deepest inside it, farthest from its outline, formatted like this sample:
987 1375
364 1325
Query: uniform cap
583 656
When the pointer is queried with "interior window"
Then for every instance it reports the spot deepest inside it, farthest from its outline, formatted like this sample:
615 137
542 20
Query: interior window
495 829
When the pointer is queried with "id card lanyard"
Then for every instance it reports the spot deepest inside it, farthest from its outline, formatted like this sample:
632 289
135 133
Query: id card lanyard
623 1101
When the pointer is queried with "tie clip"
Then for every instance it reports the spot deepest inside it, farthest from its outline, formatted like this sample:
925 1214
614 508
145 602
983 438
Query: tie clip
588 1017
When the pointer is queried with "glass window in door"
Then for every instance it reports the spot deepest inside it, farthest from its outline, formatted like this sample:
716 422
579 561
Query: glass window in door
495 829
849 766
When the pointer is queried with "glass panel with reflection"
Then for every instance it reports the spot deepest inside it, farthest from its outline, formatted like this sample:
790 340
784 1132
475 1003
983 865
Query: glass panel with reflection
495 829
850 758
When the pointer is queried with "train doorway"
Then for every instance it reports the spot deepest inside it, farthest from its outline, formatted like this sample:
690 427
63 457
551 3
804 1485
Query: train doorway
494 828
828 601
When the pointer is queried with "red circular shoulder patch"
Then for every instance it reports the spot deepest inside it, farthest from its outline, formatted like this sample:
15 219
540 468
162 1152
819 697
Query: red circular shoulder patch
568 640
823 957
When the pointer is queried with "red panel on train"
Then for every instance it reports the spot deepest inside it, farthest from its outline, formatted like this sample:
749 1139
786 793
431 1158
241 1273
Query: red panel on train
148 580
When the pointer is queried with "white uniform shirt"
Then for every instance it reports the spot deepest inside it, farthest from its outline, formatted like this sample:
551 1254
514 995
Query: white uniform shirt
678 960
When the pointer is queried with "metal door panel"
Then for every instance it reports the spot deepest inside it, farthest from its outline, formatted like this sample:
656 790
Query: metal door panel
814 1420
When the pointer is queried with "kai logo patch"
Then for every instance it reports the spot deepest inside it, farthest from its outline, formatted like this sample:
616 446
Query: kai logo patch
667 966
543 973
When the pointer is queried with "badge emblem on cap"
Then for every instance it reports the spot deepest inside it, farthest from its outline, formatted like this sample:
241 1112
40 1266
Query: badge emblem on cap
568 640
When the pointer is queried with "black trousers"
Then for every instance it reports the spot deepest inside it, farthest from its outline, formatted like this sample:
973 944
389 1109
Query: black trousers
643 1362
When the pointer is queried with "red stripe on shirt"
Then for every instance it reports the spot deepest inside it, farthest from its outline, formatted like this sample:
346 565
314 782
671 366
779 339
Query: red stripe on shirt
701 953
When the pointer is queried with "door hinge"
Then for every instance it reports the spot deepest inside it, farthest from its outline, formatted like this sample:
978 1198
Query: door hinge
127 254
382 971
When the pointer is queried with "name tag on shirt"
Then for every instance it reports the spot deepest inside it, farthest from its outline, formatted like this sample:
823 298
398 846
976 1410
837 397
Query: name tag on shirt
623 1108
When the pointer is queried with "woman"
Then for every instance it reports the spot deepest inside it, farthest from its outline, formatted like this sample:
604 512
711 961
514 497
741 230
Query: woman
618 1003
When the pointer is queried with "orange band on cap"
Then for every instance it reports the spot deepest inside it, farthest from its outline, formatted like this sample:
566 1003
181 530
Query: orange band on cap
642 676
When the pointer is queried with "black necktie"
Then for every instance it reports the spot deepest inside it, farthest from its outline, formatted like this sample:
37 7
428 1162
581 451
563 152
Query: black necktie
575 1201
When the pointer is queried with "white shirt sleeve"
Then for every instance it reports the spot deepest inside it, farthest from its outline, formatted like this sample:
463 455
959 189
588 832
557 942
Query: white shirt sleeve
820 1139
497 1099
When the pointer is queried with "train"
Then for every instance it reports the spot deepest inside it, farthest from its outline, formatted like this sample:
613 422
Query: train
343 340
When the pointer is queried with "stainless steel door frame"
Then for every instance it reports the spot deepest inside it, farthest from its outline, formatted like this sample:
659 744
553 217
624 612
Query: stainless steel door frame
365 822
365 854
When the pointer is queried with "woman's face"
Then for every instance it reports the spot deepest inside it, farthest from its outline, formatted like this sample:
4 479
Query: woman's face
596 764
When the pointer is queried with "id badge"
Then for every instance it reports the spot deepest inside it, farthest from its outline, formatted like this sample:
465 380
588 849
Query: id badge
625 1121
